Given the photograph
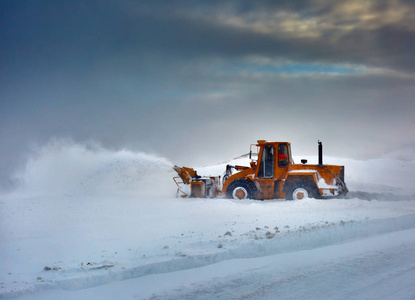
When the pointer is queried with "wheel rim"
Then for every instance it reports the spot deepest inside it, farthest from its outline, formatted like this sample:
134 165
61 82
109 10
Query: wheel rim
240 193
300 193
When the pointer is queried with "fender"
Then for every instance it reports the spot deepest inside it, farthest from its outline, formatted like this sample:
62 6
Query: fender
309 175
235 176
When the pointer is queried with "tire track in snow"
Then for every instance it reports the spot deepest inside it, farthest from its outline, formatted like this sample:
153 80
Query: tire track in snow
378 196
378 267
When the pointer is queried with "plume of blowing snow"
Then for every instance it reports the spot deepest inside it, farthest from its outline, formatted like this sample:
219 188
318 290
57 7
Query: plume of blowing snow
65 167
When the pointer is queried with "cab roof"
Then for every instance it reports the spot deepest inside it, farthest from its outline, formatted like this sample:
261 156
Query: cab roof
262 142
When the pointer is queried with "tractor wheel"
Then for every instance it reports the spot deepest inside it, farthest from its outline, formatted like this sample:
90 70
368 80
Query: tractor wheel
241 189
300 189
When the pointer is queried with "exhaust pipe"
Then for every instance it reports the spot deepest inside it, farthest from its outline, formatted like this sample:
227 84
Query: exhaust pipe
320 153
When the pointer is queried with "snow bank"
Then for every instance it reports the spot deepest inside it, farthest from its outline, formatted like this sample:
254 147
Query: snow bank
63 167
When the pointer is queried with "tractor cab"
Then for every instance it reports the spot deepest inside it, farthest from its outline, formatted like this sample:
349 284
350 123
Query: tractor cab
274 160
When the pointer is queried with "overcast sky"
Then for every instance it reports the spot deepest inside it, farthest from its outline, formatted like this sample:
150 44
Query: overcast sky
198 81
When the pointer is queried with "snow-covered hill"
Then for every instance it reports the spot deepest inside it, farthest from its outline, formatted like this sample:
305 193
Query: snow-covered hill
89 222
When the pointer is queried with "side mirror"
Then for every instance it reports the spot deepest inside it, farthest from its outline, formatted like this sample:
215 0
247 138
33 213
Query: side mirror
303 161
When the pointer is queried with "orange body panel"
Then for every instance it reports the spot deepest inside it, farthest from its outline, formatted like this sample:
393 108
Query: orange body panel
327 172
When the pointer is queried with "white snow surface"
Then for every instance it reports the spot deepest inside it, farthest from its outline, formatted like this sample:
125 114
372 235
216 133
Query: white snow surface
88 222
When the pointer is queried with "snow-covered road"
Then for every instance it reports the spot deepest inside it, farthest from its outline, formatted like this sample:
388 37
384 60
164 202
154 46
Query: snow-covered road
373 268
373 260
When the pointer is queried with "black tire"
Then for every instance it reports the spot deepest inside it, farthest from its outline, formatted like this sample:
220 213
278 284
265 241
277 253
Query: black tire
244 186
307 188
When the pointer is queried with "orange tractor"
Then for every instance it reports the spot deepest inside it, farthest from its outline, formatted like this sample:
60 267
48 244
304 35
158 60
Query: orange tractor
273 175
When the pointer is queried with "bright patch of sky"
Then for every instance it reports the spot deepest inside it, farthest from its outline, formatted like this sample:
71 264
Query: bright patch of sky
295 68
316 68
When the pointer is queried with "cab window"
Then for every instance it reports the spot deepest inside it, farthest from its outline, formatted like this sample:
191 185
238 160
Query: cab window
282 155
266 166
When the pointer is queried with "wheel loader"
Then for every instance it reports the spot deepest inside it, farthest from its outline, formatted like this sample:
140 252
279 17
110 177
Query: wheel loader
272 175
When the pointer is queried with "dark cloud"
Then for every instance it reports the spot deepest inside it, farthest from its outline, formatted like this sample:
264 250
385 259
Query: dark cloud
198 82
86 32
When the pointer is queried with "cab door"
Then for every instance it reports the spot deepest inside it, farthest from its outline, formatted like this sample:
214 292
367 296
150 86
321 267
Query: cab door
265 173
281 168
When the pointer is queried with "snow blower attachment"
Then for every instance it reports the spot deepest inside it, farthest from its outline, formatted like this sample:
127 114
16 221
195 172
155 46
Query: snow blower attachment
193 185
272 175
